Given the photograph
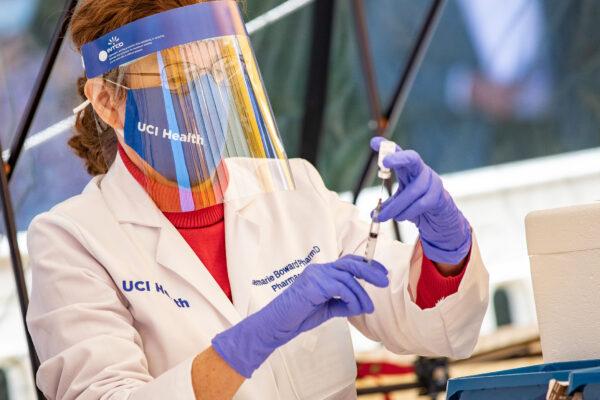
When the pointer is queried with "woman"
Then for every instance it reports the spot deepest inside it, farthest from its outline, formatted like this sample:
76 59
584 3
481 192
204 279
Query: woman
199 263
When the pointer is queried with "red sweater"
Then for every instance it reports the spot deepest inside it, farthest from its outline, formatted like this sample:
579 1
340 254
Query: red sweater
204 231
433 286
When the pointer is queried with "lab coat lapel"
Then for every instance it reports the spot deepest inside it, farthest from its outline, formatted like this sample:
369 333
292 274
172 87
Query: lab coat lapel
131 204
174 253
243 242
244 230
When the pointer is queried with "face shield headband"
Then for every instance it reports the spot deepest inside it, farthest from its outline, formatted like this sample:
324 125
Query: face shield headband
196 123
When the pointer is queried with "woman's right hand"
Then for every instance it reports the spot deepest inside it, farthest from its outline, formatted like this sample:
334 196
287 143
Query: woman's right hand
319 293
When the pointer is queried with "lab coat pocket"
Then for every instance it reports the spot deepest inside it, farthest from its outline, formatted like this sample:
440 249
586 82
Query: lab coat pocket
320 363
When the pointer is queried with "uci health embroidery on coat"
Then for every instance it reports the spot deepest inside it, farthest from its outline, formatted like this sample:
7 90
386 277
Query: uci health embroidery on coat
145 286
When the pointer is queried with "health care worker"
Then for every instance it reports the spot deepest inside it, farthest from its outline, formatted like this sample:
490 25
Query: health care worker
199 263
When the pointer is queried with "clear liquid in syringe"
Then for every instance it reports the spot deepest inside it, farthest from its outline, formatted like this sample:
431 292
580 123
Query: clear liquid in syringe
373 231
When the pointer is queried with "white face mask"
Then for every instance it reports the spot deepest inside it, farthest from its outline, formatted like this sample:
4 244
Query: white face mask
16 16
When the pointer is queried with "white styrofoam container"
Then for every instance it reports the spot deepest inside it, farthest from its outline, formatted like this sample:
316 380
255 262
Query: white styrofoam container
564 253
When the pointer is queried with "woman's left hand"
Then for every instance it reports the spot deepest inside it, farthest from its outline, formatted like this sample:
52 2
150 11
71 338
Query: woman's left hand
422 199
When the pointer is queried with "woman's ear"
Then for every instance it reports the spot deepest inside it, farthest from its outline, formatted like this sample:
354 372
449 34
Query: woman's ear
106 105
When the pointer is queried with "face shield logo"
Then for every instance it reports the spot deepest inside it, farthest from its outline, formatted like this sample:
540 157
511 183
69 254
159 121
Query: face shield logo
114 43
113 40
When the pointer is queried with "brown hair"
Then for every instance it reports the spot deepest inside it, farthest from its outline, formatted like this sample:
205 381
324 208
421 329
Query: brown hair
93 140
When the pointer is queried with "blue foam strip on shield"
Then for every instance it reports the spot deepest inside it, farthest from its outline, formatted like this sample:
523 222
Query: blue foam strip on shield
162 31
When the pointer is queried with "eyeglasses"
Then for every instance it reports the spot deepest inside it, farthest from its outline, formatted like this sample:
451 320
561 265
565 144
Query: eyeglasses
178 75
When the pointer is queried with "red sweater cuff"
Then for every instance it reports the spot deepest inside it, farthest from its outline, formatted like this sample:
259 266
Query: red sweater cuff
433 286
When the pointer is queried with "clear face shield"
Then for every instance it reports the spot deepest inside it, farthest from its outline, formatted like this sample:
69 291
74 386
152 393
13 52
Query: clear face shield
189 106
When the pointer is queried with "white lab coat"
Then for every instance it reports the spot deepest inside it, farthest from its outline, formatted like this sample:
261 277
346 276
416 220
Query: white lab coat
121 304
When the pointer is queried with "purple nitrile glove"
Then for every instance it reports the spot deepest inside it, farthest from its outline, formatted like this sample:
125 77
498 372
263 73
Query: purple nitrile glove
422 200
319 293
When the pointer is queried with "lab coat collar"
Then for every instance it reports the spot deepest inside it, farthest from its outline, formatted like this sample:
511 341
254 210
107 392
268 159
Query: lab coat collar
131 204
127 199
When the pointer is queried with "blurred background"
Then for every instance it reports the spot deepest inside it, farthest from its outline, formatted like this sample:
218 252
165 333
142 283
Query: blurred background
505 105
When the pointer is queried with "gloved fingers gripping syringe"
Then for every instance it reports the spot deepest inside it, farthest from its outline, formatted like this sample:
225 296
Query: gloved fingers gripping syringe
386 147
444 233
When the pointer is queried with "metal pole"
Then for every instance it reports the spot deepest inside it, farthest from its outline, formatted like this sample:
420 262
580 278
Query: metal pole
318 78
39 86
393 113
17 266
387 389
275 14
8 168
378 120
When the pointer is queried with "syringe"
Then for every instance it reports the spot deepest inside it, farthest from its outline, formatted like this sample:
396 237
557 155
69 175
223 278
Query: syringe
386 147
373 233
